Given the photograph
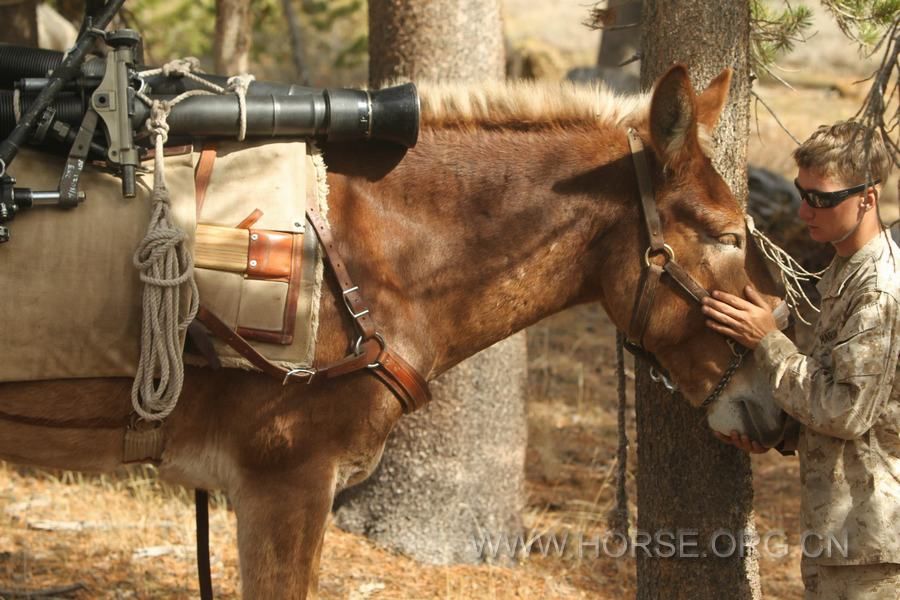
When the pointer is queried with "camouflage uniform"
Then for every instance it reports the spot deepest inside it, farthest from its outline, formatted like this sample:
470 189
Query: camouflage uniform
845 393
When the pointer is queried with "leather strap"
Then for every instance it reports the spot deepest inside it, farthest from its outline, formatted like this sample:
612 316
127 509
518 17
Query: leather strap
204 576
645 185
640 315
203 175
685 281
406 383
353 300
371 352
87 423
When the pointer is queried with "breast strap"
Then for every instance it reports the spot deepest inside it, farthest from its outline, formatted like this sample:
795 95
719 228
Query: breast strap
370 352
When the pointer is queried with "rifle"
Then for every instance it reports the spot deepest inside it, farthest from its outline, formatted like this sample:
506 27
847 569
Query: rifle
95 109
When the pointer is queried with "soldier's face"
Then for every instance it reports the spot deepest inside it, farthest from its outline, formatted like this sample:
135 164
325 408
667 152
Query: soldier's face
828 224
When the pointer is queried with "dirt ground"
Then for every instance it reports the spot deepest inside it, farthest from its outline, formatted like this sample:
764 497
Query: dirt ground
126 536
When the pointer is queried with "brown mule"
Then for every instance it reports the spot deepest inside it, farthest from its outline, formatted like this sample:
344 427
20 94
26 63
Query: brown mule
515 204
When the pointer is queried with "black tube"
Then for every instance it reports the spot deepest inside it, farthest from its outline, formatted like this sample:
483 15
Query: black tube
67 70
390 115
69 109
19 62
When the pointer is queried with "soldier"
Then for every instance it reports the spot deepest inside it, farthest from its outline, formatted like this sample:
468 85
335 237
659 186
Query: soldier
843 390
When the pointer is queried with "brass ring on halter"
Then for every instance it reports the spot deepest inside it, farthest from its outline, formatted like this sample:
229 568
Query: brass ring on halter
670 254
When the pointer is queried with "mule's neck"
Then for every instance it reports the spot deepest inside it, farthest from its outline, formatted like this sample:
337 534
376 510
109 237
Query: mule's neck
476 235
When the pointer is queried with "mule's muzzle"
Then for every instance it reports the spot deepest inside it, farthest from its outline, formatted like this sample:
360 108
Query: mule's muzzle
762 424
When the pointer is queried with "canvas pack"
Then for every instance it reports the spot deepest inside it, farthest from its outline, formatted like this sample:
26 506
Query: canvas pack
70 296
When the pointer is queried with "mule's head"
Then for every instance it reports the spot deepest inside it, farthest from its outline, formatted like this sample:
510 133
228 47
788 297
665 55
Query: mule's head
705 226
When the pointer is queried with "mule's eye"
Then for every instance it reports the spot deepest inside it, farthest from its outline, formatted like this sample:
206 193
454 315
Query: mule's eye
729 239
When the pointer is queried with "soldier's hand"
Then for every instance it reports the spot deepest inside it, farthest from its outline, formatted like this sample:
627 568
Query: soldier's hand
746 321
742 441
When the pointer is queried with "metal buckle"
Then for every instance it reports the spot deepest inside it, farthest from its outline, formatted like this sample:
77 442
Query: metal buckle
308 371
667 249
657 377
736 349
344 295
357 348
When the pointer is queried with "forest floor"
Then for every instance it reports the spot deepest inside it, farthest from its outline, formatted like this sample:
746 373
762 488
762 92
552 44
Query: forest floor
128 536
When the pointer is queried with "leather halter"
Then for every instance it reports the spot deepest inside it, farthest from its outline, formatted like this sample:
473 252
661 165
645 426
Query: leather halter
370 352
652 275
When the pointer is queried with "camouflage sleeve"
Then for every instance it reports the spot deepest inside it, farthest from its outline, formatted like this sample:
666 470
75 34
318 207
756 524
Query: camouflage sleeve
844 400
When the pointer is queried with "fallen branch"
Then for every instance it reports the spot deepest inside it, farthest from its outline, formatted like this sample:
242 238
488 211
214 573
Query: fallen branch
43 593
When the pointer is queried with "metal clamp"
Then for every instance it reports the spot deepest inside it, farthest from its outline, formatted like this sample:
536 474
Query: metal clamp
657 377
344 295
357 348
736 348
302 370
667 249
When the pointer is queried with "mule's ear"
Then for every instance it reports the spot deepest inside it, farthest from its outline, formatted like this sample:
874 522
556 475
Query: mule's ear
711 101
673 124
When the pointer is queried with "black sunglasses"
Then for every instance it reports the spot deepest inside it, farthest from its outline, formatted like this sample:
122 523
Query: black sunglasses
817 199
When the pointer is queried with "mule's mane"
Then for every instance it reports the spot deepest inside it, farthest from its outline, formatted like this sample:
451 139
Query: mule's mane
526 104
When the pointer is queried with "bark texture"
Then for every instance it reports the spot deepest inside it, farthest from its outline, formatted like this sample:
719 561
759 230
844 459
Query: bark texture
687 480
455 470
19 23
233 36
461 40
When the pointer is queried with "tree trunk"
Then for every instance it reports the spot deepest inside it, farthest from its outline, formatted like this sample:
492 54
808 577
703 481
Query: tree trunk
20 23
448 40
233 36
689 482
616 66
457 468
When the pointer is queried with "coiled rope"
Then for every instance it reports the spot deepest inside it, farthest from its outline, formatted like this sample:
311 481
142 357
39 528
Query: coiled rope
164 261
165 264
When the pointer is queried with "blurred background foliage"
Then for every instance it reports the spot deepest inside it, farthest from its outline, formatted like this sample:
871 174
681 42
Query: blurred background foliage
333 35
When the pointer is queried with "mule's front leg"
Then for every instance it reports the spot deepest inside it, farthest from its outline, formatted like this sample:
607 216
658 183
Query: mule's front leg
281 519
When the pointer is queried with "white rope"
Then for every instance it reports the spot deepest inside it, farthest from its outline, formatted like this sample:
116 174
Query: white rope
165 262
187 67
166 265
792 273
239 84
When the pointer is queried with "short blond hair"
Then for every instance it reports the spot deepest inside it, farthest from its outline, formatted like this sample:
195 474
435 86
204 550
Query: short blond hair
839 151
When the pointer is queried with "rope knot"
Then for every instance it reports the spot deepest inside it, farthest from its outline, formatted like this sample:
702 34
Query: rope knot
157 123
239 84
181 67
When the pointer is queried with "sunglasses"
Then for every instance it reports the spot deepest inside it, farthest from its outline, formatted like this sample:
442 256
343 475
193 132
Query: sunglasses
817 199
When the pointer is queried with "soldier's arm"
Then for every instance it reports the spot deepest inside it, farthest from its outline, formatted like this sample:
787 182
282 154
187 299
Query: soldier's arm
843 401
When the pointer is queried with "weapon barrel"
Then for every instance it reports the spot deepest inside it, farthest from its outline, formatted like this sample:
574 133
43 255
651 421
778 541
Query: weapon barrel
391 115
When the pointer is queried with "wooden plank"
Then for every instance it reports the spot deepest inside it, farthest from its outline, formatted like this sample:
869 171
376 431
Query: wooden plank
221 248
